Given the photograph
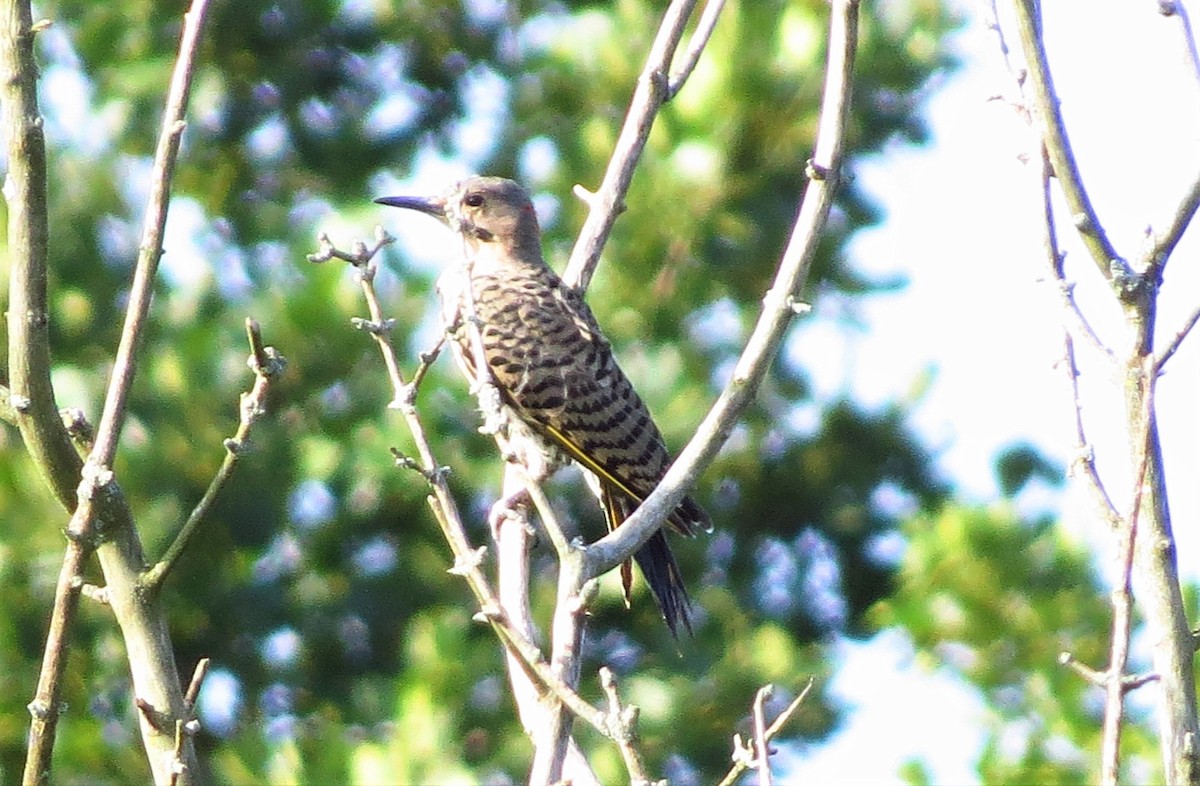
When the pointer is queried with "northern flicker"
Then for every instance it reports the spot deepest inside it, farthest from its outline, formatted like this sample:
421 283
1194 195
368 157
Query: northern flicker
563 396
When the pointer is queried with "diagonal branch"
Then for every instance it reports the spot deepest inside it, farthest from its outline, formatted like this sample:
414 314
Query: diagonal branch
150 250
97 498
267 364
648 98
1054 135
1176 341
697 42
1166 240
779 306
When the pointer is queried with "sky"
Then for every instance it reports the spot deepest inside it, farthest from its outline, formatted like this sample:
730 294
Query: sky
962 224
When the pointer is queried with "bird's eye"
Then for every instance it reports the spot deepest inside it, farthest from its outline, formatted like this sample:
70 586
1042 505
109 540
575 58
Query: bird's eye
474 200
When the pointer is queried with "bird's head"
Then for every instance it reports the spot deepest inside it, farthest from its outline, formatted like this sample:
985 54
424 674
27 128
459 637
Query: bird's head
484 210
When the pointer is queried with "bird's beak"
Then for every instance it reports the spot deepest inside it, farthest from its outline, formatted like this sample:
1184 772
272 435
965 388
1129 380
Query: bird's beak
434 206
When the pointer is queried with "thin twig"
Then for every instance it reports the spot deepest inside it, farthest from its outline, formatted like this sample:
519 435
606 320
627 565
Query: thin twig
198 675
1176 8
1097 678
150 249
1054 256
267 364
622 727
762 746
1085 460
779 307
1166 240
1122 596
696 44
188 726
1176 342
744 759
606 203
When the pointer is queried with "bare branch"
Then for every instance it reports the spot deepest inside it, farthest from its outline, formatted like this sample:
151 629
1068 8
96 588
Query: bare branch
1085 459
47 703
267 364
1054 134
1097 678
648 97
198 675
30 402
697 42
745 758
1175 8
622 727
1176 342
151 658
762 746
566 636
779 307
150 250
1166 240
1122 601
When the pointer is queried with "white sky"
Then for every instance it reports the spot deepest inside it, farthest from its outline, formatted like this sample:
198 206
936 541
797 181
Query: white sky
961 223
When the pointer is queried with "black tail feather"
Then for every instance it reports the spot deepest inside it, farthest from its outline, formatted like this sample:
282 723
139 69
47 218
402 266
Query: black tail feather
655 559
666 582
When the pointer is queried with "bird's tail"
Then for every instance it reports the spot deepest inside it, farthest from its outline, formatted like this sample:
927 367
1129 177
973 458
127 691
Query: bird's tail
655 559
666 582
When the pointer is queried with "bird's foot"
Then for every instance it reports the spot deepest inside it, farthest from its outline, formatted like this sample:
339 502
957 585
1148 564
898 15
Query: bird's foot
515 506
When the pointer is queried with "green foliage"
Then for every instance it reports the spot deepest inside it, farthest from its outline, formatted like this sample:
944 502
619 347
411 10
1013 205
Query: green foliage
320 581
997 599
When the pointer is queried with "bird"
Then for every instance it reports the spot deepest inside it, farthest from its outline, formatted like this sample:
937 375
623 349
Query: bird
563 396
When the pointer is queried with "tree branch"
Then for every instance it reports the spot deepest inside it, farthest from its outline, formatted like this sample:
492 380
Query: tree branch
566 636
697 42
1176 342
98 496
779 306
1122 600
745 757
1054 134
648 97
1085 458
513 535
761 745
267 364
622 723
30 398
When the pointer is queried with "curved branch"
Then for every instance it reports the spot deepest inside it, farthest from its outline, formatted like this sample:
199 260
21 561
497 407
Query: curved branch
98 504
31 395
779 306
